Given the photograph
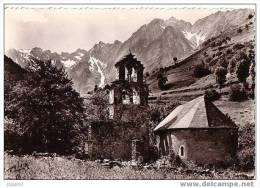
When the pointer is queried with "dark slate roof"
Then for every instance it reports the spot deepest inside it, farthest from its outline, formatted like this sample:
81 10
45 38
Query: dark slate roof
129 58
198 113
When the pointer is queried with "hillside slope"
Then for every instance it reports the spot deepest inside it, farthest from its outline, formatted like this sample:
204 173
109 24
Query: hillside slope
215 51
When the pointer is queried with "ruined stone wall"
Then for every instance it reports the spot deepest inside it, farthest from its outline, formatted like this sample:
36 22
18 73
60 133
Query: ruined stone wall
202 146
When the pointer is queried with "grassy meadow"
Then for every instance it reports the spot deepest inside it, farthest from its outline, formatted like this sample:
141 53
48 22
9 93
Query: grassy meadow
29 167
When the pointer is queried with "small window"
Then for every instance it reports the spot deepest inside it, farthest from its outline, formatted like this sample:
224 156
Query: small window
181 152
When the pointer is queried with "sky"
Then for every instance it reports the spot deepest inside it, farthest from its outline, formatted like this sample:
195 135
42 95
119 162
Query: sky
68 28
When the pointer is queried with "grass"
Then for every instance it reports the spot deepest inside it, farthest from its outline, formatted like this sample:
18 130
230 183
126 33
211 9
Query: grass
29 167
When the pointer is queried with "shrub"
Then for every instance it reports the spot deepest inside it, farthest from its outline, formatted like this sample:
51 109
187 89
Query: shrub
218 43
246 147
223 62
228 38
224 41
213 44
220 74
208 59
176 161
238 46
211 95
218 53
229 51
175 59
162 81
231 65
236 93
239 30
201 70
159 111
242 70
250 16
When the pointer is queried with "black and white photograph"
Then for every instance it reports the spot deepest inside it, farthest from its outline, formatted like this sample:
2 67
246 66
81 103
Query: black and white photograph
138 92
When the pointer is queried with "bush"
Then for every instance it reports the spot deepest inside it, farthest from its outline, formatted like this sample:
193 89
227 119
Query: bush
239 30
208 60
159 111
246 147
229 51
176 161
211 95
220 74
238 46
250 16
219 53
228 38
242 70
236 93
201 70
162 79
232 66
223 62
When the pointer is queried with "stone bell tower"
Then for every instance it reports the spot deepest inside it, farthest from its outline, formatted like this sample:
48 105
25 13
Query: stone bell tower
129 89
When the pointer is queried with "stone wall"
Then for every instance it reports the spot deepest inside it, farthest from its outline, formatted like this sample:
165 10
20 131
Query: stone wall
130 113
201 146
113 140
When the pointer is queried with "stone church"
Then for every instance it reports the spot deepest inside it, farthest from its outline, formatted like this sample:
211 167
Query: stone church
120 136
198 132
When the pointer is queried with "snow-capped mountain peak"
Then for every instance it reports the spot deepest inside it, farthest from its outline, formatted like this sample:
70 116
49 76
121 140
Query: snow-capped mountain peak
195 38
97 63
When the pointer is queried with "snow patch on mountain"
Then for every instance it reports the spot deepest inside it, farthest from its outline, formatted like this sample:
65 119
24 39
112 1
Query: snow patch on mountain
79 56
68 63
95 62
191 36
162 26
26 51
25 54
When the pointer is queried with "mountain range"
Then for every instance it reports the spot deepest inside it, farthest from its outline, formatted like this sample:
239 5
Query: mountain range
155 44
